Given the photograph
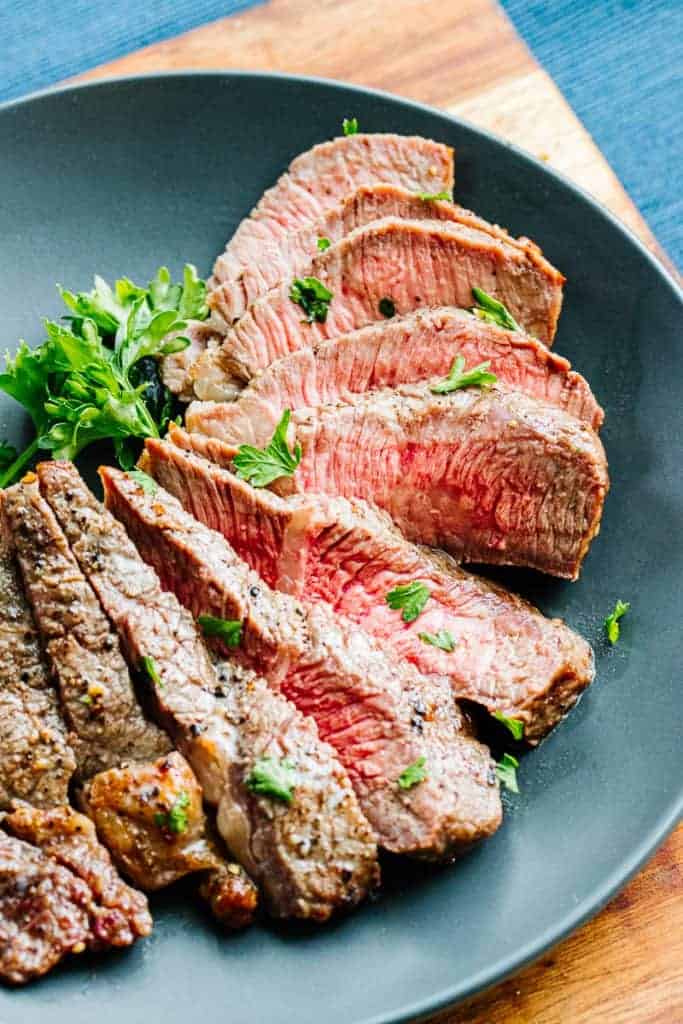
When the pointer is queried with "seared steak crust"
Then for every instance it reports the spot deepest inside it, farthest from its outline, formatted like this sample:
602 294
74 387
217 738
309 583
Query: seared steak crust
36 762
96 693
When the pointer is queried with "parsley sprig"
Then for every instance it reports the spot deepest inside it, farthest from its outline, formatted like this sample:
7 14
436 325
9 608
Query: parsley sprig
430 197
413 774
350 126
260 466
274 778
313 297
443 640
490 309
175 819
148 483
612 628
514 725
409 598
227 630
458 377
506 770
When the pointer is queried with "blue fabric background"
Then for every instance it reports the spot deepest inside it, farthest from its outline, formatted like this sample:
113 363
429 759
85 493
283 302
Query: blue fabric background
618 62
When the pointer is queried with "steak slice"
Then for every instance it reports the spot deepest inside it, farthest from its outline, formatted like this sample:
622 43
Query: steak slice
175 368
36 762
291 253
318 179
412 264
492 476
97 696
403 350
506 656
311 857
380 715
117 914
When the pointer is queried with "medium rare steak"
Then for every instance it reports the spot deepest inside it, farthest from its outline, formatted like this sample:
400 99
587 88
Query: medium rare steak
318 179
311 857
410 263
492 476
290 255
379 714
506 655
402 350
97 697
36 762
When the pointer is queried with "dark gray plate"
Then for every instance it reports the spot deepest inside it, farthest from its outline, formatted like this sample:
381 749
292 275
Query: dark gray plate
121 176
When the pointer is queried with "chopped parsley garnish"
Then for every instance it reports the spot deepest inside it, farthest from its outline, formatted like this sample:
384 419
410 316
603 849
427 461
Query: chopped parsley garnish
430 197
228 630
414 773
148 483
8 454
410 598
350 125
506 770
514 725
313 297
323 244
85 699
612 621
387 307
149 667
490 309
443 640
274 778
260 466
458 378
175 820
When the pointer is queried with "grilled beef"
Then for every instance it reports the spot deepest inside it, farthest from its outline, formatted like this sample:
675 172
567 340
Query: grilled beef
290 255
506 655
379 714
318 179
96 693
311 857
403 350
36 762
175 369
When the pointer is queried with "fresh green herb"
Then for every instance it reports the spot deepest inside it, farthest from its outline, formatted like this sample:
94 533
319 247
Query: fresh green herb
84 382
260 466
149 667
350 125
430 197
506 770
414 773
175 820
148 484
612 621
478 377
490 309
514 725
8 454
323 244
410 598
387 307
442 640
85 699
313 297
270 777
228 630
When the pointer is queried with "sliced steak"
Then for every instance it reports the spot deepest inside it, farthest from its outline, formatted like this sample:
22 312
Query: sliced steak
491 476
175 369
290 254
96 693
312 856
117 914
318 179
380 715
506 655
403 350
36 762
412 264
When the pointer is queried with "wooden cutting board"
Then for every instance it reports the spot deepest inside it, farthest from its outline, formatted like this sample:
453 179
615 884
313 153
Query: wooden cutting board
626 966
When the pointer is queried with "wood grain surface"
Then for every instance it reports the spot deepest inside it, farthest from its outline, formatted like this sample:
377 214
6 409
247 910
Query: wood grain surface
626 966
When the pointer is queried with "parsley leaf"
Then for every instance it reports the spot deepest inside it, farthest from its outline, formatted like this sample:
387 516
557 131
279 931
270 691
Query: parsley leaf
442 640
414 773
149 667
350 125
490 309
477 377
410 598
514 725
612 621
229 630
323 244
260 466
429 197
506 770
313 297
270 777
148 484
387 307
175 820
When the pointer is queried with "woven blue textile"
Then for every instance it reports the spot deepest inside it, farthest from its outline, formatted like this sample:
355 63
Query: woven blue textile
618 62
